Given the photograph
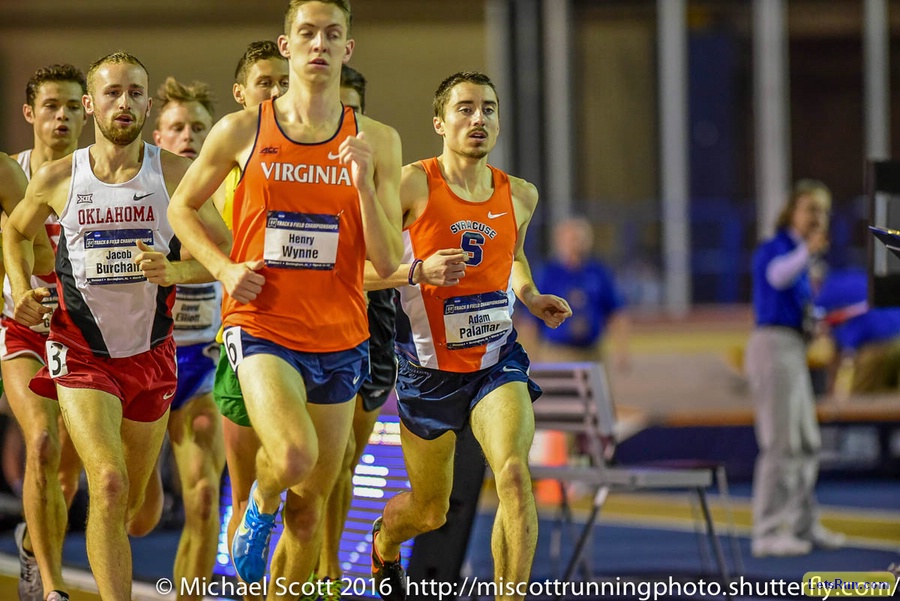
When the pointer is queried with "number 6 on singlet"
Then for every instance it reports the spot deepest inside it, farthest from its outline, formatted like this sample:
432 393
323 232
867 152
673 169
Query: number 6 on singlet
232 339
56 359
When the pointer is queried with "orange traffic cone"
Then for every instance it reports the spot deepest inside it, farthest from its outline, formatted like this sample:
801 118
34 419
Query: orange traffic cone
550 448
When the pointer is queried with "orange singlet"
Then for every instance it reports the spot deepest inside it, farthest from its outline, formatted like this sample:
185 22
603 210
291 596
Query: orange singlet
297 208
462 328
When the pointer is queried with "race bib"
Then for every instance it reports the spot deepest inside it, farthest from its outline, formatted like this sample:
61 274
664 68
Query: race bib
234 347
301 240
476 320
56 359
109 255
51 302
194 308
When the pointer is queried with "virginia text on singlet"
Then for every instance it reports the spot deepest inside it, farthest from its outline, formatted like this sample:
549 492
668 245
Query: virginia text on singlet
106 305
461 328
297 208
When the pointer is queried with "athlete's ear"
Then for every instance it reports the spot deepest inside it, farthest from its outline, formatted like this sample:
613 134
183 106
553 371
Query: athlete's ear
237 90
157 137
283 47
439 126
149 105
28 111
88 103
348 49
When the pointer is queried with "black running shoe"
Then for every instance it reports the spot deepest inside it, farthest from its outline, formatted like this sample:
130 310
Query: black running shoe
389 576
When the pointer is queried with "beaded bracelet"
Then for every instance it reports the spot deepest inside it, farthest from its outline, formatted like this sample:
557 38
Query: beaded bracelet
412 270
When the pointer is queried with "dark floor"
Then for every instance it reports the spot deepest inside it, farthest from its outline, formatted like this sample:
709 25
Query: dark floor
630 561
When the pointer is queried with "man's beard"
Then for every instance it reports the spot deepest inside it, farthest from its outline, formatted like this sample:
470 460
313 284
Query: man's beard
475 154
118 135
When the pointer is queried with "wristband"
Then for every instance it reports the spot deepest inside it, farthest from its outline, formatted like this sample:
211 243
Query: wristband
412 270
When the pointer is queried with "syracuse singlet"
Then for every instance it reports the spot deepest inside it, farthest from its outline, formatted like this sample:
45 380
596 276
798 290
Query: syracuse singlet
101 223
297 208
461 328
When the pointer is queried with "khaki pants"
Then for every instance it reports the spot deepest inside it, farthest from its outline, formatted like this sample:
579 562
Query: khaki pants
787 432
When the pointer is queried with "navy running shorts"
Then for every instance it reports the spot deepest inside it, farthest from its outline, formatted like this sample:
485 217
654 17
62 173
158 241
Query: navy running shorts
196 371
431 402
330 378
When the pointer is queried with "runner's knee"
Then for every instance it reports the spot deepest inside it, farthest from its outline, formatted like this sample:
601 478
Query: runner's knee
200 499
45 448
204 427
513 478
294 463
109 489
433 515
302 517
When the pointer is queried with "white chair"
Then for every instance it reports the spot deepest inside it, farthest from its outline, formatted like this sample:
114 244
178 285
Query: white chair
577 399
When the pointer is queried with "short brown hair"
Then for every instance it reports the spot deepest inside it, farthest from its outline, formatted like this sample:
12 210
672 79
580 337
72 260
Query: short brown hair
64 72
116 58
173 90
442 94
295 5
801 188
353 79
255 52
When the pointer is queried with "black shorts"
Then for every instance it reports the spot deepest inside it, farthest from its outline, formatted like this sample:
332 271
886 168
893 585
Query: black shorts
382 361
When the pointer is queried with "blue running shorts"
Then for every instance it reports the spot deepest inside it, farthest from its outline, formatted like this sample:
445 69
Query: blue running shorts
196 371
330 378
431 402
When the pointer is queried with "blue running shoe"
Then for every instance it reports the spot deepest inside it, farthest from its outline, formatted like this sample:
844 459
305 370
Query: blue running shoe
250 545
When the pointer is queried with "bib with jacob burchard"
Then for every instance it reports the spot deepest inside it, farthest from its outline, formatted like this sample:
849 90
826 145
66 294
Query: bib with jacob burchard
106 304
296 207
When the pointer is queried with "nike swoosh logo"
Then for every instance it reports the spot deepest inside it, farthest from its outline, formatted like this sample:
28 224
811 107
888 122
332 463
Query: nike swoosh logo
356 379
509 369
333 156
168 395
142 196
495 215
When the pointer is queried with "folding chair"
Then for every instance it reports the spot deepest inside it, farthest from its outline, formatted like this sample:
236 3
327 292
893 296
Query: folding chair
577 399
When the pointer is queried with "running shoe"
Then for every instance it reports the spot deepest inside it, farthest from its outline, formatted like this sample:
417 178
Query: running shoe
250 545
389 576
31 588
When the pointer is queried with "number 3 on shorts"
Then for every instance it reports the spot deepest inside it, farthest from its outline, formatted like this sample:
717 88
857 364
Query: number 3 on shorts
232 339
56 359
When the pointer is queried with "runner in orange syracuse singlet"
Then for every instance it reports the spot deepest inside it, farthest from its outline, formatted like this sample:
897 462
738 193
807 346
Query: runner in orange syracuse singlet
459 362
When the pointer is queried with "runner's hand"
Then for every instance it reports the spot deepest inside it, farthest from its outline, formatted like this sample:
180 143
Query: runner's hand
155 266
446 267
29 310
242 281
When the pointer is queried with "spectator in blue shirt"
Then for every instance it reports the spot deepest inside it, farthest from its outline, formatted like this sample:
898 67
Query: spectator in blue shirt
785 514
597 304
